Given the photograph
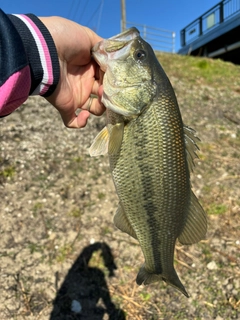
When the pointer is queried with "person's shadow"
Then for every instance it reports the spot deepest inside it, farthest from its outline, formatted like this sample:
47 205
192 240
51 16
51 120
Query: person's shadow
84 286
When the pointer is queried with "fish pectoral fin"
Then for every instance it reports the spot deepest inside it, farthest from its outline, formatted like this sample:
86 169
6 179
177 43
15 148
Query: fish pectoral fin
196 224
100 143
121 222
108 140
191 146
116 137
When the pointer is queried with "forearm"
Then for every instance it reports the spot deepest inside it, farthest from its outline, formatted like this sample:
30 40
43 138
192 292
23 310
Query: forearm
28 60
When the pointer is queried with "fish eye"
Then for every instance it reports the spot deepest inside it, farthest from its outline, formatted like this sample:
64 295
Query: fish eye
140 55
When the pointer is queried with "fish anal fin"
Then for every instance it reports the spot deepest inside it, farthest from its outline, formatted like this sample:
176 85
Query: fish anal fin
121 222
116 137
100 143
196 223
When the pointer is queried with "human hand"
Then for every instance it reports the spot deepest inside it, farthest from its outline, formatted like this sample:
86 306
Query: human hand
79 73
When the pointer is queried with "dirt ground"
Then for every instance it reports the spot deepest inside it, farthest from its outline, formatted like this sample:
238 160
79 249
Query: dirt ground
61 256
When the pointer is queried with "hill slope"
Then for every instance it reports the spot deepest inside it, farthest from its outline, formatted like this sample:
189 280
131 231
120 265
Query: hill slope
57 205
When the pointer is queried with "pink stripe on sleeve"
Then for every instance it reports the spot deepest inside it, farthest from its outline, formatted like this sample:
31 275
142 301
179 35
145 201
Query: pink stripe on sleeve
15 91
45 55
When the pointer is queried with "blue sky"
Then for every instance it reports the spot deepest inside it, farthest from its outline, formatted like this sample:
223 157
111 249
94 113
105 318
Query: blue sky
104 15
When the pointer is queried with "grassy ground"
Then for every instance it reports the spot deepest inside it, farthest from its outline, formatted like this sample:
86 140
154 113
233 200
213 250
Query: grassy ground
59 250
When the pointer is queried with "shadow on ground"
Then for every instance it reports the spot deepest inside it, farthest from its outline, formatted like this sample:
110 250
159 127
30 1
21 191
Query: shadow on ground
85 288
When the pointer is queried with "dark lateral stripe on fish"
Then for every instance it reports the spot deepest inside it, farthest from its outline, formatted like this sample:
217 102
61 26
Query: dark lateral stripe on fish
150 208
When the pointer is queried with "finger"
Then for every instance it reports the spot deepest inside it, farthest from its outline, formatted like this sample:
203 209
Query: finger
100 91
97 108
76 121
95 88
82 118
94 106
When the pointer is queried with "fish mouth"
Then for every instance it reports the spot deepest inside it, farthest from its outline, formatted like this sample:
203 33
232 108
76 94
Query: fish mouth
115 48
126 35
120 40
110 48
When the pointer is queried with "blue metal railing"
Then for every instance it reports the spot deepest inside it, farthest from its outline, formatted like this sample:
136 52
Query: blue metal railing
221 12
159 39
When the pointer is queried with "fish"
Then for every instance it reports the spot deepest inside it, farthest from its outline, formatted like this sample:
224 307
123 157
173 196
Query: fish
151 155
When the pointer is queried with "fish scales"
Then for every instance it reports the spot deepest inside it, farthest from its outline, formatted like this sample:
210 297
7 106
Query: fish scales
150 153
155 182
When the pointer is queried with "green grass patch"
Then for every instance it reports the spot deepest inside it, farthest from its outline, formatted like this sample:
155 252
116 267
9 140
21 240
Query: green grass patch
216 209
64 252
101 196
36 208
75 212
212 72
7 173
145 296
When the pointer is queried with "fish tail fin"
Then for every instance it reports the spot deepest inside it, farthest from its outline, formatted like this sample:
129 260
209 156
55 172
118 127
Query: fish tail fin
145 277
174 281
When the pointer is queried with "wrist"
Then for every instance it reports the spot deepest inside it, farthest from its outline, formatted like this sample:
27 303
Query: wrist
41 53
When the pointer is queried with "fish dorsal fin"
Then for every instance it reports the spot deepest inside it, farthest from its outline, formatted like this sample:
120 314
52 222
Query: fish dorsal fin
196 223
116 137
121 222
100 143
191 146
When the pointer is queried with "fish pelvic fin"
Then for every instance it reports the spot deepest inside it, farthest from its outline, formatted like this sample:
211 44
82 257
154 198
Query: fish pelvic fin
108 140
191 146
145 277
196 224
121 222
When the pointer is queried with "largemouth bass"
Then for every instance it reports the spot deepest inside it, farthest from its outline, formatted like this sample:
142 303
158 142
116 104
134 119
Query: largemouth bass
151 155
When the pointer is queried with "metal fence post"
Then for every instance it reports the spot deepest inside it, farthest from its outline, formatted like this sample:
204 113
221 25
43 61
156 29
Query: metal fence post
144 32
183 37
200 26
173 42
221 14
